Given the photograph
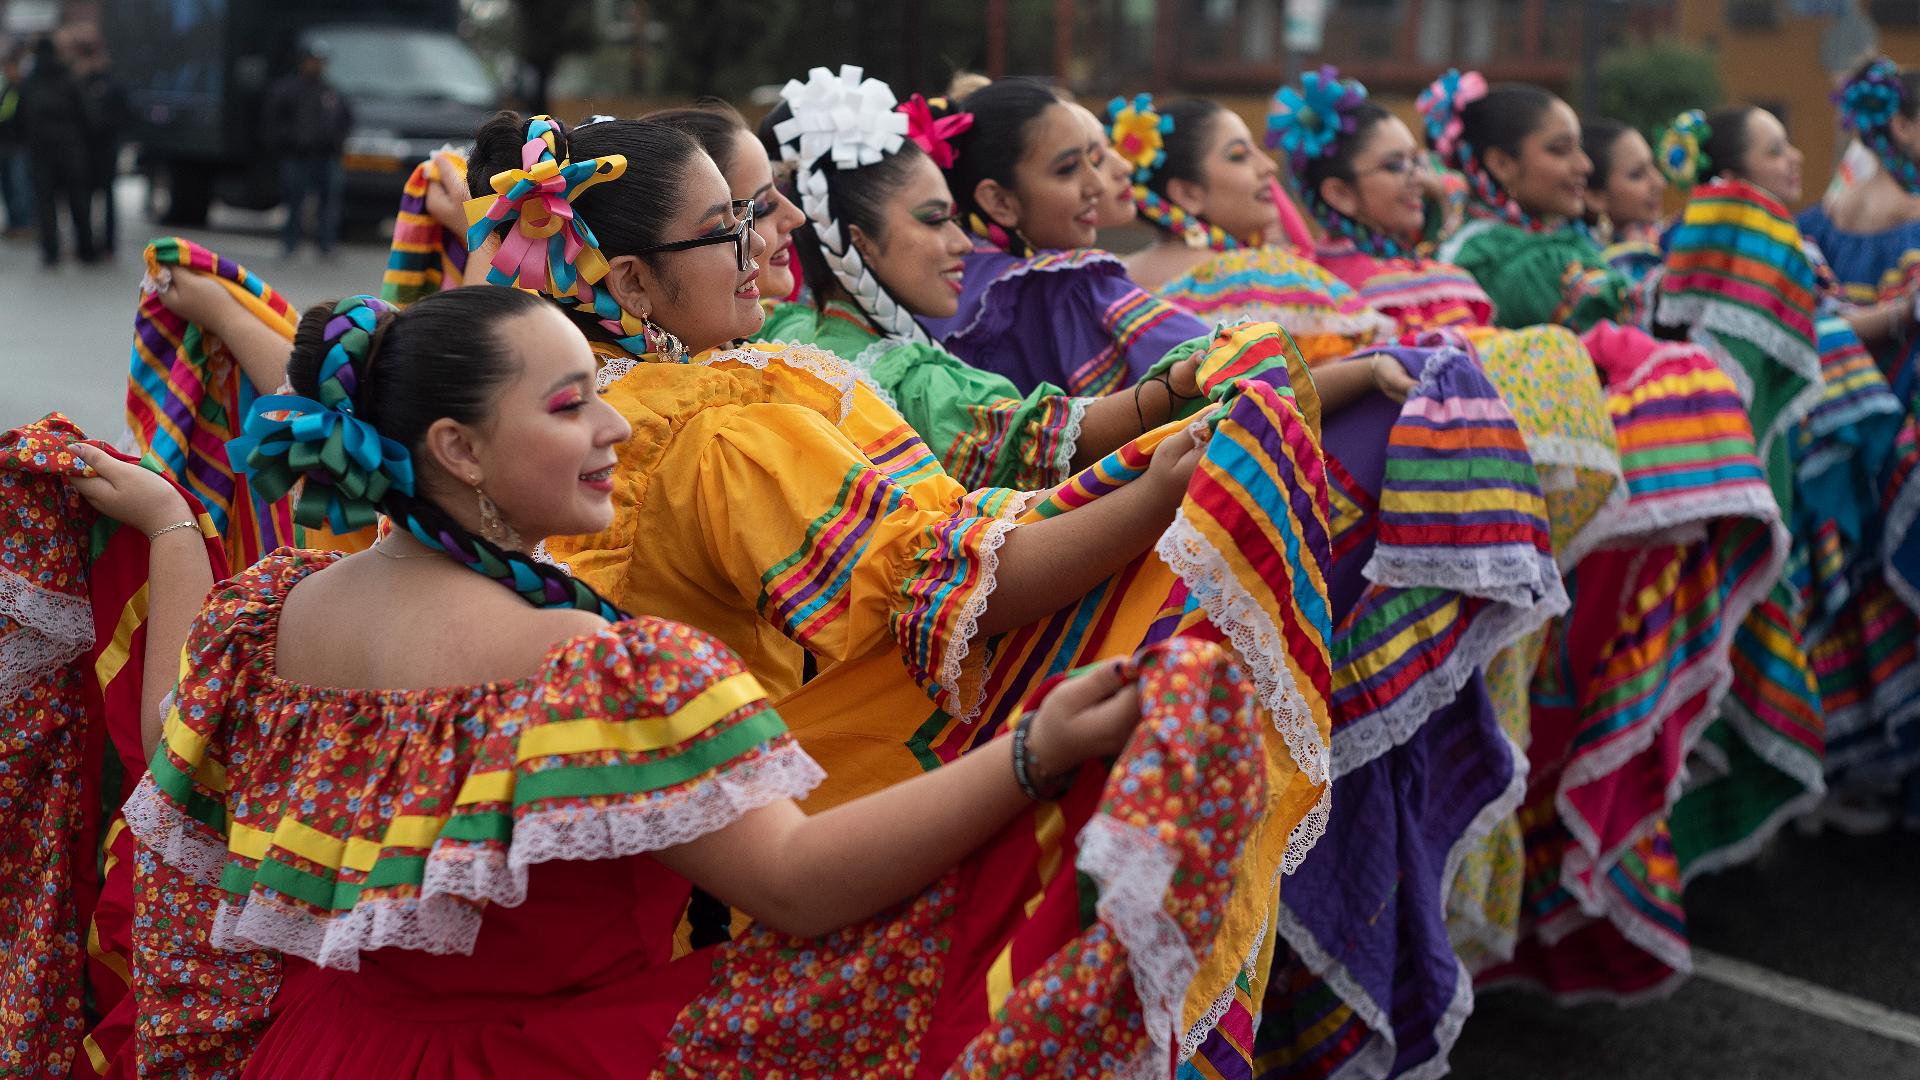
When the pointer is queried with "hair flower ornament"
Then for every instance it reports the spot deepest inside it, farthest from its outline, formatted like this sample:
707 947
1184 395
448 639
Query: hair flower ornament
1138 133
1870 100
1868 103
1441 103
1306 122
934 134
347 464
1680 154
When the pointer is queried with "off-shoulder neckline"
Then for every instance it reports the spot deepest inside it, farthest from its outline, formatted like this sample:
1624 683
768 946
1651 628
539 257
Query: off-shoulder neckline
299 565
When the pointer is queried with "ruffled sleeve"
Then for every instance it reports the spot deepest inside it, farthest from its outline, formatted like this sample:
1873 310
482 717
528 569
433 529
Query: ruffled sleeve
396 819
1072 318
841 557
983 429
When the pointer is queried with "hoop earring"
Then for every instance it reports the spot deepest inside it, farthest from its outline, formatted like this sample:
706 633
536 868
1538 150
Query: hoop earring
662 343
494 528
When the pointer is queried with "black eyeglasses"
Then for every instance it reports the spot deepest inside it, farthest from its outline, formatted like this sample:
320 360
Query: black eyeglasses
739 236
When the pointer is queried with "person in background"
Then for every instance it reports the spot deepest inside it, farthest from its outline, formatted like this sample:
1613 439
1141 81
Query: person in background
53 126
16 181
103 105
305 123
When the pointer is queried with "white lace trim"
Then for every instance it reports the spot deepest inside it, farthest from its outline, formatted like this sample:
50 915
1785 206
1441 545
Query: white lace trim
863 365
1384 297
1133 871
445 917
1375 1057
1503 806
1370 327
1210 1019
1707 318
967 626
1029 265
806 359
1712 676
54 628
1367 738
1308 832
1634 524
1254 636
1449 250
612 370
1062 464
1574 452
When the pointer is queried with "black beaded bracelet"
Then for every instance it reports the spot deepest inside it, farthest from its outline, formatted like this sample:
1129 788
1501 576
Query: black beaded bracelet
1020 774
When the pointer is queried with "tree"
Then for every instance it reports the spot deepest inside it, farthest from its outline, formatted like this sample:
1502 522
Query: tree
547 32
1648 85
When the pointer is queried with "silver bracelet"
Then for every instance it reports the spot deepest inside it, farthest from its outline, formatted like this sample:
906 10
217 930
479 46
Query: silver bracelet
155 534
1021 775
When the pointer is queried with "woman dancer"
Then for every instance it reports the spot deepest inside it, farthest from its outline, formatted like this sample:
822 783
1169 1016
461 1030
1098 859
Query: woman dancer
801 515
1038 303
906 245
436 850
1852 458
1519 148
1871 232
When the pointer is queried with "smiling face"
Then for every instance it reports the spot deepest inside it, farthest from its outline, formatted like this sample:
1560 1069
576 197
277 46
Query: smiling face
1770 161
1630 193
1386 193
1549 176
546 448
1235 191
750 178
1057 187
920 249
699 295
1117 207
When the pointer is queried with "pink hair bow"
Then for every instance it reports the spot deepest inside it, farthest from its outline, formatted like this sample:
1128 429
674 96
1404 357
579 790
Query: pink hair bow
935 136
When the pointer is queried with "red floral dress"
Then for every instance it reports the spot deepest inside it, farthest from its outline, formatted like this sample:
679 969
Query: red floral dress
455 882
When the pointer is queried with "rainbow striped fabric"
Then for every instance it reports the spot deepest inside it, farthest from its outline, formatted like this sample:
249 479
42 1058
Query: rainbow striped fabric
1853 454
423 258
1737 278
1451 527
72 732
1462 562
1627 689
1272 284
186 398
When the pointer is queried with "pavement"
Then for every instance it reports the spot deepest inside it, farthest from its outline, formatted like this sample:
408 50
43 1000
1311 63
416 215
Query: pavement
1808 959
68 332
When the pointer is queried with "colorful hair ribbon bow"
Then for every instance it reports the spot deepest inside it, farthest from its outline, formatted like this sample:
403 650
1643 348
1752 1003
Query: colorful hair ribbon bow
348 465
934 134
1440 105
549 249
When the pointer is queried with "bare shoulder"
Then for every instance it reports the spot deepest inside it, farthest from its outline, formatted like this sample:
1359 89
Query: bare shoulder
368 624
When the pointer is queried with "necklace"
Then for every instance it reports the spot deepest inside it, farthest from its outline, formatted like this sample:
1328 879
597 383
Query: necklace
381 551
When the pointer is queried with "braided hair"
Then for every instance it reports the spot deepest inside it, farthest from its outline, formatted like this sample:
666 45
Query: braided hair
838 195
1873 95
368 382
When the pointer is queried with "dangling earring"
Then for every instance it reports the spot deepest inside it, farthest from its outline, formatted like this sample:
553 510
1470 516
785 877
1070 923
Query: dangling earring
494 528
1195 234
661 343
